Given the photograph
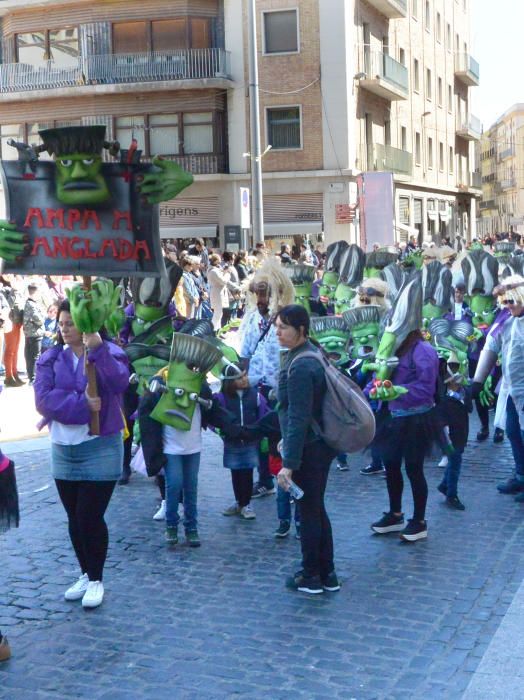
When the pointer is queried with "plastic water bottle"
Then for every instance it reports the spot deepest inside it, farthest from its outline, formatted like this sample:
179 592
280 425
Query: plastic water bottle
294 491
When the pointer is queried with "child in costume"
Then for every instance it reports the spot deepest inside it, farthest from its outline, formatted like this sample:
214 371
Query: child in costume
241 455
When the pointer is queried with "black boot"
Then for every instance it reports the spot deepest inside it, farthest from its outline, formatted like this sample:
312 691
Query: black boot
126 475
498 436
483 434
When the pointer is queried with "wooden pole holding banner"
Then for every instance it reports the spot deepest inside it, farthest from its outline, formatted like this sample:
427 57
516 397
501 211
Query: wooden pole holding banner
92 388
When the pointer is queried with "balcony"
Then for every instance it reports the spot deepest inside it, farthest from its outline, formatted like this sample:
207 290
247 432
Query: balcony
111 69
385 77
468 128
389 159
508 184
467 69
507 153
488 204
199 163
392 9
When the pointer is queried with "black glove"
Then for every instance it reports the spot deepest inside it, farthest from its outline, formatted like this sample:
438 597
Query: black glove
476 388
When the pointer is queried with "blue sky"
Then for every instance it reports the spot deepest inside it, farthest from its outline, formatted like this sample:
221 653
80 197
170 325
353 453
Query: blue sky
497 43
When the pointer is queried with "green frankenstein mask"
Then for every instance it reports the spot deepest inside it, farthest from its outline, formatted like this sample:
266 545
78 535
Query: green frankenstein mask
302 277
483 309
190 360
328 287
343 296
333 335
77 154
364 328
451 340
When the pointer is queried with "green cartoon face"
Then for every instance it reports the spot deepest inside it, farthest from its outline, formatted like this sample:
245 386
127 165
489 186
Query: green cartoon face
335 343
145 316
364 338
328 287
343 297
431 311
484 309
79 180
177 406
302 295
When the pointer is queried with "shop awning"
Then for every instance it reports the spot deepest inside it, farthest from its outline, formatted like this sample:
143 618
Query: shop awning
293 228
189 231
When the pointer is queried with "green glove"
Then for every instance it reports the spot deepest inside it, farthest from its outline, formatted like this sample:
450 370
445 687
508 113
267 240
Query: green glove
90 308
12 242
486 396
386 391
164 183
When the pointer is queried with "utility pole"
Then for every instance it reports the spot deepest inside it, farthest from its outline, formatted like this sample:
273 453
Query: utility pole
256 159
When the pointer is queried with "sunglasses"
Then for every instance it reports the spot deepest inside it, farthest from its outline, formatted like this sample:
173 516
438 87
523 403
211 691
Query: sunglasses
370 292
506 302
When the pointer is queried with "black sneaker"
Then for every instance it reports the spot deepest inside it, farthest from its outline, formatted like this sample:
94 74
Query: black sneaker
372 469
483 434
342 466
511 486
124 478
498 436
330 582
283 529
414 530
192 538
388 523
443 489
455 502
305 584
259 491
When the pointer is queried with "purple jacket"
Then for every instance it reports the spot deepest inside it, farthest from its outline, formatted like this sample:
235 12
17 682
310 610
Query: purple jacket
417 371
60 389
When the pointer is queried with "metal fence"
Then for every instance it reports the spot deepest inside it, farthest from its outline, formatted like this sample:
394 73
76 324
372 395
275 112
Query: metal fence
188 64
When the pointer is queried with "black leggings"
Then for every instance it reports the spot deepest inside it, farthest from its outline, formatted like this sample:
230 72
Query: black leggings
242 480
395 482
85 503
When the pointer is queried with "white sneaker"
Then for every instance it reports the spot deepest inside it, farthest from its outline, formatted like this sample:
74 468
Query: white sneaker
248 513
94 594
77 590
232 510
443 462
161 512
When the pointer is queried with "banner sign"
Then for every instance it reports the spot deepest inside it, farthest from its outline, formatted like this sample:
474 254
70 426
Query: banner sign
117 237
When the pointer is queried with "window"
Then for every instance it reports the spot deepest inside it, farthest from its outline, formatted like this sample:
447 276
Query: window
428 16
439 27
198 132
414 8
163 134
403 138
58 45
387 133
450 99
416 75
417 148
448 36
430 153
439 92
128 128
162 35
428 84
451 159
10 131
402 57
281 32
283 127
441 157
28 133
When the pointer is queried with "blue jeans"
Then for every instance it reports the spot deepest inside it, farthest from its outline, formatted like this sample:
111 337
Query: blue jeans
284 506
182 475
452 473
515 438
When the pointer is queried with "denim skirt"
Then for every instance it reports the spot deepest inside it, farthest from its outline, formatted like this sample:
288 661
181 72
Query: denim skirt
99 459
241 456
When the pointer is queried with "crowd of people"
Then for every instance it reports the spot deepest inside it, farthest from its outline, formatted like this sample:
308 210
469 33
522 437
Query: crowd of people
237 344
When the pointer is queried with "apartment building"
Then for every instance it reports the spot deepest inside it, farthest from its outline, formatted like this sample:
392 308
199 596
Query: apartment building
346 87
501 155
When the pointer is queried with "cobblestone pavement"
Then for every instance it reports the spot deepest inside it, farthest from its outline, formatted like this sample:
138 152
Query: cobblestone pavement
411 620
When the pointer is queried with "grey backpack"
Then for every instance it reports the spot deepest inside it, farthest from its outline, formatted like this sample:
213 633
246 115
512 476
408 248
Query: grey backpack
348 423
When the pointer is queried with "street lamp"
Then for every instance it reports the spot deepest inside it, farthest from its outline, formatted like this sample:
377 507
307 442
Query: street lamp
254 117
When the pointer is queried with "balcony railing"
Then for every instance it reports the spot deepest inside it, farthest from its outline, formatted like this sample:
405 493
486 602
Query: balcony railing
507 153
199 164
469 128
392 9
508 183
384 76
476 179
488 204
467 69
189 64
389 159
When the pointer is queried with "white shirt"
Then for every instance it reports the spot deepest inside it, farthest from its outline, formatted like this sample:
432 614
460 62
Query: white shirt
62 434
184 442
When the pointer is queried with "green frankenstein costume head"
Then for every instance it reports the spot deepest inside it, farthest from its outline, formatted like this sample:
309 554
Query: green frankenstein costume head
77 151
151 297
378 260
364 329
333 335
190 360
480 270
330 277
302 277
436 291
352 264
451 340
